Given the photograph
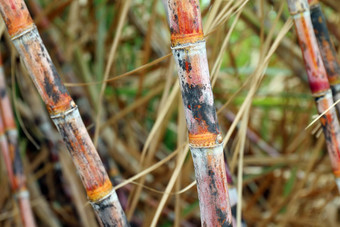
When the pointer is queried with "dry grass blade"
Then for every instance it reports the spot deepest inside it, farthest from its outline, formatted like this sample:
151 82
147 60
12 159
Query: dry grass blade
181 157
113 49
138 69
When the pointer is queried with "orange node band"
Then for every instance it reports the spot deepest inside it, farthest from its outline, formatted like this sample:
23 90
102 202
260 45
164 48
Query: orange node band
16 16
99 192
313 2
64 105
18 23
17 28
203 140
184 39
337 173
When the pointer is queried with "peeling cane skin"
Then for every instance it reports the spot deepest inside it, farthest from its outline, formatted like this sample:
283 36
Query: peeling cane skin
63 110
188 48
319 85
327 50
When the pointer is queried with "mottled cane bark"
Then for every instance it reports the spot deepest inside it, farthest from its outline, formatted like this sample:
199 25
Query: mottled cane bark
188 47
327 49
318 81
39 115
11 154
63 112
79 93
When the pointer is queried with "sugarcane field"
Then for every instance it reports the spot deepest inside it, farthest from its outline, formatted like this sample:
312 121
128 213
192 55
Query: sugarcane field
159 113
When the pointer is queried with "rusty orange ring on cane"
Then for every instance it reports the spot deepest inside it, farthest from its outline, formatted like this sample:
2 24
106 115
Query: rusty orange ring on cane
203 140
100 191
336 173
178 39
16 17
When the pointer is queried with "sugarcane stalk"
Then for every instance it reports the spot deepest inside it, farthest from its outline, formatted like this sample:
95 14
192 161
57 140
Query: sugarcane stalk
39 117
78 93
63 111
318 81
11 154
188 48
327 49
